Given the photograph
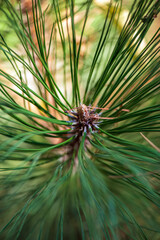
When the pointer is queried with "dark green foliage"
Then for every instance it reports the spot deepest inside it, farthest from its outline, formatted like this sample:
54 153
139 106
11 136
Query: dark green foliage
106 185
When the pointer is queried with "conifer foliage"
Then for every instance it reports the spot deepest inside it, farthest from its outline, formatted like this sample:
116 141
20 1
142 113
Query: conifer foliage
79 122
